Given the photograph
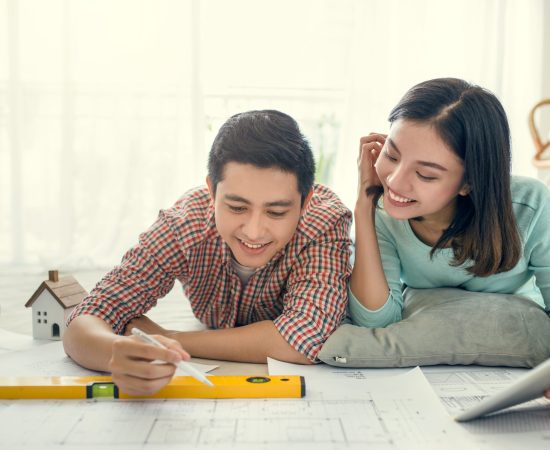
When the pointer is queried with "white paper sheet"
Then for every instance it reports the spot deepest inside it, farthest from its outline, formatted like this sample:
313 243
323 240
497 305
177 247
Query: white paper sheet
50 360
396 404
343 409
392 413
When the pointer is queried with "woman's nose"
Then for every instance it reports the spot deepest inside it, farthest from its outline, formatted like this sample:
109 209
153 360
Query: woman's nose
399 180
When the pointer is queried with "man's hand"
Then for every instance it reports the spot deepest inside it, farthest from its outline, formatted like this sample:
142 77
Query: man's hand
132 366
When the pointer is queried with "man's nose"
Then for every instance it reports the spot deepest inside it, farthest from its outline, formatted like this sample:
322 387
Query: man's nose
253 227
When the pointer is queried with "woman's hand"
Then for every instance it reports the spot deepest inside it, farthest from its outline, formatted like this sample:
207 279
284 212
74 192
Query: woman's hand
369 149
132 366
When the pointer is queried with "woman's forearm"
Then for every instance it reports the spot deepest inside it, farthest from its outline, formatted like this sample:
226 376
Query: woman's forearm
368 281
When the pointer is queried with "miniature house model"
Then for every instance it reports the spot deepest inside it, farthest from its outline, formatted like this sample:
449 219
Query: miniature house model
52 303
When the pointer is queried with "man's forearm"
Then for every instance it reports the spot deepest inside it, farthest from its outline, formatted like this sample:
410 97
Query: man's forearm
88 340
250 343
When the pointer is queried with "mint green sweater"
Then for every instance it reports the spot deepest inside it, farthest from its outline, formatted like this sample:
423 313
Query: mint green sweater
406 259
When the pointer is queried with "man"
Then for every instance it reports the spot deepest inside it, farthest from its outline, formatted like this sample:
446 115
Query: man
261 252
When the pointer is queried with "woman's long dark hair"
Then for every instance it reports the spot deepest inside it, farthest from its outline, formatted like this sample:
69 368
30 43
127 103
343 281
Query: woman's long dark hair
472 122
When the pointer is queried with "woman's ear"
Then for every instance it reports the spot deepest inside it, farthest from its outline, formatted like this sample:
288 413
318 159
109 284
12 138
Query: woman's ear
465 190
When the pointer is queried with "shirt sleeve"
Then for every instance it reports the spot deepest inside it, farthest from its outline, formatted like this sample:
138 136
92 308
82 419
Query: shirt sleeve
538 245
391 311
316 299
147 272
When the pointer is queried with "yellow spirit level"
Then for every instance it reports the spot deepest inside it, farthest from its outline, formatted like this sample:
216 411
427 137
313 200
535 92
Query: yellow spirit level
290 386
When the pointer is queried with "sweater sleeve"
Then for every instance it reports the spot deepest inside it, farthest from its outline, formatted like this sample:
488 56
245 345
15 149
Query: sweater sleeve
538 246
390 312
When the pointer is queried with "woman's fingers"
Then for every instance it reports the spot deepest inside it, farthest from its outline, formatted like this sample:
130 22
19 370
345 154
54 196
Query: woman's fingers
373 138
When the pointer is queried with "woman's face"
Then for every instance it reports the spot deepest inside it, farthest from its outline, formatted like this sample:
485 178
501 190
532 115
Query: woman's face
420 174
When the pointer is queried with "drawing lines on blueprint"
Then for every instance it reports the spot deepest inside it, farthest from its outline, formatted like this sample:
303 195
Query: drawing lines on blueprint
200 423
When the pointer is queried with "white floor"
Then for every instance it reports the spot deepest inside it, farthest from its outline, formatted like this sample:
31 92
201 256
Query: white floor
172 311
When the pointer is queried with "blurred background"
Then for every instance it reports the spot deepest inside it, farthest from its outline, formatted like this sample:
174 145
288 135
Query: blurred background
108 107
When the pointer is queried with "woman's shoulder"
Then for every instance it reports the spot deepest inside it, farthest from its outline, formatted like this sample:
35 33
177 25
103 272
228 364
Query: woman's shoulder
529 192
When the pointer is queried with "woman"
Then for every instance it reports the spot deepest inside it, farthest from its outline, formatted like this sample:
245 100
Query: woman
450 214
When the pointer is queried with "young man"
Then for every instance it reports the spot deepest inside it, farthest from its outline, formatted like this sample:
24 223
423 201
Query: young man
262 254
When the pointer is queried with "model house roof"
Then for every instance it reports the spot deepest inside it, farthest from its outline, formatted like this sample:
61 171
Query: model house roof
67 291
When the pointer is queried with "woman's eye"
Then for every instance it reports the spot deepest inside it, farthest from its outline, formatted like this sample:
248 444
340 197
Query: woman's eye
388 156
425 178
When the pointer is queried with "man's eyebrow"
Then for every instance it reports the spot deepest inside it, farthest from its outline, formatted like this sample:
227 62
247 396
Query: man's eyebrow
238 198
423 163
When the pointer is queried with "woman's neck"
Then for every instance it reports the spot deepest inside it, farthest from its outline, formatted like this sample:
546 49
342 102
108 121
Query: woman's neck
429 229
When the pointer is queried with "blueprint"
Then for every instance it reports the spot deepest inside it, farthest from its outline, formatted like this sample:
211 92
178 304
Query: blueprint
459 388
379 414
342 409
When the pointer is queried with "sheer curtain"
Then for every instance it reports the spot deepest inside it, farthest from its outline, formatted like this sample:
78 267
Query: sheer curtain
108 108
396 44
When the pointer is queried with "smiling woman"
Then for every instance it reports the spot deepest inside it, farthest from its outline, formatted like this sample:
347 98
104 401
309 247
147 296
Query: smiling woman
437 206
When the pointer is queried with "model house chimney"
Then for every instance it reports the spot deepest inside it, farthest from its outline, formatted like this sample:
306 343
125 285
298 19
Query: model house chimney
53 275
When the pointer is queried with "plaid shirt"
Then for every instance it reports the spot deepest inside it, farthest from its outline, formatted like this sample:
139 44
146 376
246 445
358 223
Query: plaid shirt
302 289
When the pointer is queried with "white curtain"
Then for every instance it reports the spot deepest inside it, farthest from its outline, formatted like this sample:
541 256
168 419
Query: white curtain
396 44
108 107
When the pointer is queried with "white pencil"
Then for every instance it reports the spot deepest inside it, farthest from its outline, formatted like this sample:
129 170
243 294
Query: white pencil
182 364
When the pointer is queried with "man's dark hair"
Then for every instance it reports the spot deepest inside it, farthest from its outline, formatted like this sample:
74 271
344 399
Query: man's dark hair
472 122
263 139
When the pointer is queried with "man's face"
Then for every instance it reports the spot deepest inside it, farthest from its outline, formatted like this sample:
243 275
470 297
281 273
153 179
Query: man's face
257 211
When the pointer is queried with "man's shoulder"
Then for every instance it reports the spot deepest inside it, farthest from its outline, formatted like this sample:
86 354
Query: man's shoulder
192 216
196 201
324 213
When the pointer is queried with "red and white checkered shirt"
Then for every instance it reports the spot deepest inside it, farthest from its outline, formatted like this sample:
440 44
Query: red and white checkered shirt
302 289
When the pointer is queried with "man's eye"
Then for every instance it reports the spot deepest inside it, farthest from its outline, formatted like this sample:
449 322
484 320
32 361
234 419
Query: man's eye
276 213
237 209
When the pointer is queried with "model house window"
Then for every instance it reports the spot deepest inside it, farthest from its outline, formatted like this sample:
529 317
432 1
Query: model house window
38 312
39 321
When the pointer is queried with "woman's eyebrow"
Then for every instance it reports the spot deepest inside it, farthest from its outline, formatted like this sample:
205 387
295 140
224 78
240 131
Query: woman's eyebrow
392 143
423 163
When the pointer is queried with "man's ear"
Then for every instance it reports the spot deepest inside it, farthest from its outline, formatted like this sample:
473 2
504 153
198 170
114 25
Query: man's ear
306 200
211 188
